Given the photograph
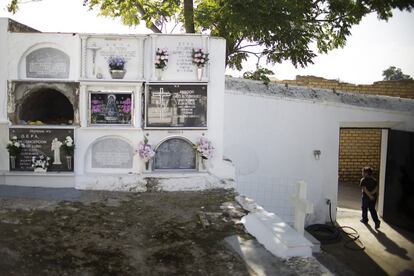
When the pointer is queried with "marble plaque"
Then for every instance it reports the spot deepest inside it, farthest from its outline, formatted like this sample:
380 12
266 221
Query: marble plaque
175 154
112 153
180 49
100 49
40 141
176 106
47 63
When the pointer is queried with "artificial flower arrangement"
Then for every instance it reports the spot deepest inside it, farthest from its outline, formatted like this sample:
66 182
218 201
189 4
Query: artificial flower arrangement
145 150
116 63
161 58
14 147
40 162
200 57
204 147
68 146
96 109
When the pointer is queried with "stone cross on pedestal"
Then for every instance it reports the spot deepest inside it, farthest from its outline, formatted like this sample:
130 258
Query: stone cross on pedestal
302 206
161 104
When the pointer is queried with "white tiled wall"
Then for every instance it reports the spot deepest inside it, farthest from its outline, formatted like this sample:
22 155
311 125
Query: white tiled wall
272 193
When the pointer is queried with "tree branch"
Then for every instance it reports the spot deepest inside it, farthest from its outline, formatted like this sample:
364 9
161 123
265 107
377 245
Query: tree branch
142 11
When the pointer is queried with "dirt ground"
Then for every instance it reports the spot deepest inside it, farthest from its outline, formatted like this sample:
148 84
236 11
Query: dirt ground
107 233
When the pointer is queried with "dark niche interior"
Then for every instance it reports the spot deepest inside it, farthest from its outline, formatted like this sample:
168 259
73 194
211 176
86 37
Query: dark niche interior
48 107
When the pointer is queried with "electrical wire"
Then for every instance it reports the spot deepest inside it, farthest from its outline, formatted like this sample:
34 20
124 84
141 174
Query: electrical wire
330 234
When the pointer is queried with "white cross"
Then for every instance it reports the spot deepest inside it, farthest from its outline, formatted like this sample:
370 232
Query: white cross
302 206
94 49
161 104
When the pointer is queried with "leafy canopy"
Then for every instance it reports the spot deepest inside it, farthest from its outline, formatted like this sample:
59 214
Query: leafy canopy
394 73
275 30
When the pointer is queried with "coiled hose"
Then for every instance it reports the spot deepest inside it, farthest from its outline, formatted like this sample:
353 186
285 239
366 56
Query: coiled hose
329 234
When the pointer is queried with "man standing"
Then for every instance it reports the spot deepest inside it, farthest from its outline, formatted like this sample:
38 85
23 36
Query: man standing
369 188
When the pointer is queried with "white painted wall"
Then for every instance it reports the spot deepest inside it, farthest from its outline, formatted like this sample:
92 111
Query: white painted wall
4 53
273 137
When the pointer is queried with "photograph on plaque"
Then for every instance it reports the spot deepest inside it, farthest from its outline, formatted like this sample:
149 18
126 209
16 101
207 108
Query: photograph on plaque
110 108
176 106
42 149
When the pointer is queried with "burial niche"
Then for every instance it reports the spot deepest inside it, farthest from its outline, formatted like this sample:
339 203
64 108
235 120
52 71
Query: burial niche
175 154
46 106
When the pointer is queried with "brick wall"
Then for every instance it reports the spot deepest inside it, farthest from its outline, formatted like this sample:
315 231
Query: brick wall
358 148
403 89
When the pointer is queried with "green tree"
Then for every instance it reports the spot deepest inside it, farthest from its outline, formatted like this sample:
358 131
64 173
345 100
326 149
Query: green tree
259 74
394 73
276 30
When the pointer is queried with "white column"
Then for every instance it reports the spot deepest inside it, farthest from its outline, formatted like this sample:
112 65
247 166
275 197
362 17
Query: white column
383 165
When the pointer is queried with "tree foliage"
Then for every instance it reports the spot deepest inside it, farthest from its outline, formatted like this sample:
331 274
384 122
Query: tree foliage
259 74
394 73
275 30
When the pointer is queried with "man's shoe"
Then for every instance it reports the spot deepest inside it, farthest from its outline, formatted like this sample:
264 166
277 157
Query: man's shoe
364 221
377 224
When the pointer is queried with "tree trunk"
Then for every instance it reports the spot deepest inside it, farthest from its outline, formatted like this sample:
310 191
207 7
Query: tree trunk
189 16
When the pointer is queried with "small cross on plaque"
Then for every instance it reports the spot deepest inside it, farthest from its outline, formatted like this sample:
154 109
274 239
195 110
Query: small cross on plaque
163 101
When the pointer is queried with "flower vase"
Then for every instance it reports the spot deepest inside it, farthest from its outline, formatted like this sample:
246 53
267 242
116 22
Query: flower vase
147 166
69 162
40 170
117 74
159 72
199 73
12 162
202 166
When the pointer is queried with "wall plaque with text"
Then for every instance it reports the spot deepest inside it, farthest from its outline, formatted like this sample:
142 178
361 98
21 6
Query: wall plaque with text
176 106
42 141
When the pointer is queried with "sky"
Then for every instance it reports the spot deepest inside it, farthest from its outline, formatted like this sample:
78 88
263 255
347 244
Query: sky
373 47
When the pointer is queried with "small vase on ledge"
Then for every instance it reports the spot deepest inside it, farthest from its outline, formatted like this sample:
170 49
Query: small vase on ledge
159 73
12 162
147 167
117 74
202 165
199 73
69 162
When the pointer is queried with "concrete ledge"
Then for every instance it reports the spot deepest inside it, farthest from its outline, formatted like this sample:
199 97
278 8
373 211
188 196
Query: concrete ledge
49 180
276 236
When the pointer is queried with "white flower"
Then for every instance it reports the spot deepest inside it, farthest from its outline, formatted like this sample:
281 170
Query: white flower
17 144
9 142
69 144
69 138
14 138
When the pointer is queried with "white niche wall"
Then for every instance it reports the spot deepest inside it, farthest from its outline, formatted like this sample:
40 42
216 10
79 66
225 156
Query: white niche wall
23 44
111 154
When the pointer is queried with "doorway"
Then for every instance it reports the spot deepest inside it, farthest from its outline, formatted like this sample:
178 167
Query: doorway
358 148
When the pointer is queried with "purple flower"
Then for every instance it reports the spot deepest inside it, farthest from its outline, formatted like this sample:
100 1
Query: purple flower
96 106
126 106
116 63
145 151
204 147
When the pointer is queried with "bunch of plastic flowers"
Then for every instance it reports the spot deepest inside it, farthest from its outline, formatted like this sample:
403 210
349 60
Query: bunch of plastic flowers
161 58
200 57
204 147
